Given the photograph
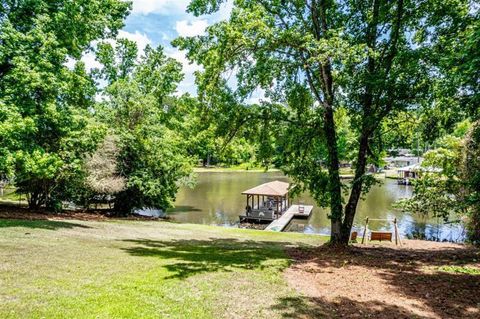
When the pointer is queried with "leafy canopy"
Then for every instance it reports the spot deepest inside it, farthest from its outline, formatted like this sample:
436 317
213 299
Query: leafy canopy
45 106
140 109
312 59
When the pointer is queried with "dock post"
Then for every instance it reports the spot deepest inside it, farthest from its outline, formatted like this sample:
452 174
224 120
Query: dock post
397 236
365 231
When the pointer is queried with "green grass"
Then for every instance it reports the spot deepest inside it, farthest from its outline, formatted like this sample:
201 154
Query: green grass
77 269
460 270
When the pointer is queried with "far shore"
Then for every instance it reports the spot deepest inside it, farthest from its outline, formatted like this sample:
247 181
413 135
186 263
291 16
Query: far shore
391 174
215 169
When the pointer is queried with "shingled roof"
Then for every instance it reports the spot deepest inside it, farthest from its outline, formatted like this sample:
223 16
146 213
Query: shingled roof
275 188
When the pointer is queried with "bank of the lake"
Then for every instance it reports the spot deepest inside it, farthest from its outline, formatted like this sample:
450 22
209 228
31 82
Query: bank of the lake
130 269
217 200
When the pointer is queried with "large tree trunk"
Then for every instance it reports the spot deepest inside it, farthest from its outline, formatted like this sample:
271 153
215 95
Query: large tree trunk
351 207
334 177
356 191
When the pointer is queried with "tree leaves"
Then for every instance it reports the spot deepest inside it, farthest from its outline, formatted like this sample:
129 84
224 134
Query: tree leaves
46 107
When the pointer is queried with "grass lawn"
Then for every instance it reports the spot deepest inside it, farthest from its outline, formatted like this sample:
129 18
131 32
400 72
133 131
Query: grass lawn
128 269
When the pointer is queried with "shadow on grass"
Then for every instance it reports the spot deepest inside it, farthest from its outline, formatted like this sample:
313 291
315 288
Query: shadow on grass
190 257
308 307
414 273
40 224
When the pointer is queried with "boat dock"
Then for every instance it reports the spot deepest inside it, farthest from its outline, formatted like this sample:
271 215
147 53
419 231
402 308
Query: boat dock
298 211
270 203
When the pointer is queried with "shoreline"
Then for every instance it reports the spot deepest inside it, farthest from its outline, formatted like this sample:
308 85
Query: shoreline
390 174
233 170
23 214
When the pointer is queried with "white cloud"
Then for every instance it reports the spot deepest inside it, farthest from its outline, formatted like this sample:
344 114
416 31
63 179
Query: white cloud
175 7
186 28
181 57
140 38
70 63
188 83
159 6
90 62
257 97
224 11
166 37
88 57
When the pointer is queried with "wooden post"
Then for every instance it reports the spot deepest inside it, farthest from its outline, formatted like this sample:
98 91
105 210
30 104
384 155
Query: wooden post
398 241
396 230
365 231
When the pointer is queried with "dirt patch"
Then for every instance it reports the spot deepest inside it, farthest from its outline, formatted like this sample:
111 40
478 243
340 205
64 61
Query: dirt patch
10 212
385 281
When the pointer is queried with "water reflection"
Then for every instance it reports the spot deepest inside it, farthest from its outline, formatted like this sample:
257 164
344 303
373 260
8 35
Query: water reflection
217 200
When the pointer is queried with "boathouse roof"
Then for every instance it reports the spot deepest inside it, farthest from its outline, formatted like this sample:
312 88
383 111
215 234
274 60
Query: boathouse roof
418 167
275 188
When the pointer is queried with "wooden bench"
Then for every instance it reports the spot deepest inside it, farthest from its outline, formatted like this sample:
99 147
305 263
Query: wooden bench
353 236
379 235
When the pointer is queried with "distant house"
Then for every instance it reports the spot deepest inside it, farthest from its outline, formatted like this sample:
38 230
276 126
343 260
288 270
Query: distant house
408 173
402 161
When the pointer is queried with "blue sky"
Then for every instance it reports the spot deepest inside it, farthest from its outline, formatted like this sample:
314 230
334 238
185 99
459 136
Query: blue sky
158 22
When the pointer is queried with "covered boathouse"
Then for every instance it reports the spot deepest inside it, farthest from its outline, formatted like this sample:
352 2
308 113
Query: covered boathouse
266 202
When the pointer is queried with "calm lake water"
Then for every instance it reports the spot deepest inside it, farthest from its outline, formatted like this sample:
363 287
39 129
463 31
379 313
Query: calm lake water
217 200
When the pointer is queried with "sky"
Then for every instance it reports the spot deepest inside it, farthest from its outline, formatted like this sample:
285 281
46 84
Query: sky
158 22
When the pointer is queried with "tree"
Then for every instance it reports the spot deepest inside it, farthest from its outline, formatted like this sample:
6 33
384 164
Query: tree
438 190
311 58
206 138
46 106
448 185
470 174
141 112
102 178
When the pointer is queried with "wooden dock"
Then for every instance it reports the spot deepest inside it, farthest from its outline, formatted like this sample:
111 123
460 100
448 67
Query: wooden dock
294 211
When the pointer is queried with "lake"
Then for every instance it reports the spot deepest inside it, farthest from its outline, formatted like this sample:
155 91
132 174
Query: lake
217 200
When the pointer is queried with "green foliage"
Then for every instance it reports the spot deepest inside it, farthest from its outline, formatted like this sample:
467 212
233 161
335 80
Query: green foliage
45 106
456 54
315 59
450 183
141 112
470 174
438 189
401 130
208 135
432 196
